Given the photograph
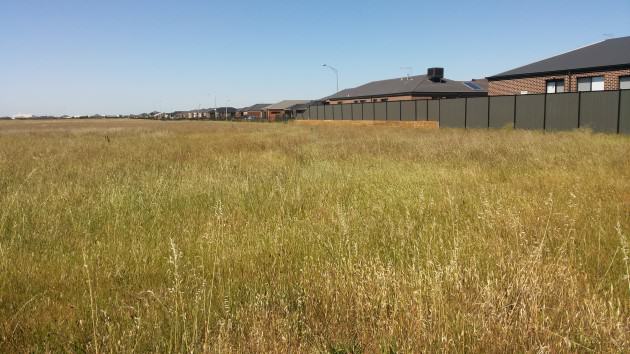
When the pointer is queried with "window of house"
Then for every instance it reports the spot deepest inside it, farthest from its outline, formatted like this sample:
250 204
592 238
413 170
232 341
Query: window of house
595 83
624 83
383 99
555 86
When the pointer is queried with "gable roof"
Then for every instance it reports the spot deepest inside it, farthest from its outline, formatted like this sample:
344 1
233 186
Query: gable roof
419 84
610 53
286 104
256 107
222 110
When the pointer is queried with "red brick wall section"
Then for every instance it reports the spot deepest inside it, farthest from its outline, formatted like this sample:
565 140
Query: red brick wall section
538 84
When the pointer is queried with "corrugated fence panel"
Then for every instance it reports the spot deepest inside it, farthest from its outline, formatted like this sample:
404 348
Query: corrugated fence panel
380 111
328 112
530 112
393 110
599 111
337 112
347 111
477 112
501 111
624 112
368 111
321 112
307 113
421 110
408 110
562 111
434 110
453 113
357 111
312 112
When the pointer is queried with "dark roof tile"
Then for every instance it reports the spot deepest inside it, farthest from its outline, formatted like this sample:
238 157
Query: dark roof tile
609 53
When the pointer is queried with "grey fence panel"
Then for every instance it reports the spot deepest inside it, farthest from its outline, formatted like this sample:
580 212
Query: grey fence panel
453 113
421 110
368 111
530 112
307 113
561 111
408 110
380 111
501 112
321 112
312 115
357 111
337 112
346 111
477 112
624 112
599 111
329 112
393 110
433 110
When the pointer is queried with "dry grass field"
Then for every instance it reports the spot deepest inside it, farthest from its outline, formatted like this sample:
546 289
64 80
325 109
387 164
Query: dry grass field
136 236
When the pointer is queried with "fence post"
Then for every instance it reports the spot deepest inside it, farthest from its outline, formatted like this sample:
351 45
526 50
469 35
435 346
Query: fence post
488 117
514 114
579 109
466 113
619 112
545 113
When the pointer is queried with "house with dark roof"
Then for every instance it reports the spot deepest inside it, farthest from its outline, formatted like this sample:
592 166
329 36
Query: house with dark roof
285 109
430 86
256 111
224 113
597 67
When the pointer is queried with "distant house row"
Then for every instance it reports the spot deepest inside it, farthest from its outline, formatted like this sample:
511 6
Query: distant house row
601 66
287 109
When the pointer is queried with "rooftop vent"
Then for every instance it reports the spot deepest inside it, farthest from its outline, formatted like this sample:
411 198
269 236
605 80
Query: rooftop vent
435 74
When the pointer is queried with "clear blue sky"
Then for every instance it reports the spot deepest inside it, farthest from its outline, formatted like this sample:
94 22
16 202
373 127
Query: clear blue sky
132 56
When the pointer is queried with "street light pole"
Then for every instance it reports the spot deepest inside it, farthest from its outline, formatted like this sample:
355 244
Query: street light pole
336 73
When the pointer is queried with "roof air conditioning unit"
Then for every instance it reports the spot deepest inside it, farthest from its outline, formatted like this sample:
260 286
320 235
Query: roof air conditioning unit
435 74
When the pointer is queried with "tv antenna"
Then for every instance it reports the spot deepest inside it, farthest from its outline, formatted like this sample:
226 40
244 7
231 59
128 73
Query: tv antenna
408 70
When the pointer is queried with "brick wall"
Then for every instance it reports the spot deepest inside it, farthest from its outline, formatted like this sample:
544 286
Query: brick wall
538 84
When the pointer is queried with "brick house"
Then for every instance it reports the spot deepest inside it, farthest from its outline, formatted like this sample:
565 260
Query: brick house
597 67
256 111
283 109
430 86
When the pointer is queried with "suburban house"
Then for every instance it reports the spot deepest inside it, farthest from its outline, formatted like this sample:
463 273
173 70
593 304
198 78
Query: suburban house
430 86
224 113
284 109
256 111
597 67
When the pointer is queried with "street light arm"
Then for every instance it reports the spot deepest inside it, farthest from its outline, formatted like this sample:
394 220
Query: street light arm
336 73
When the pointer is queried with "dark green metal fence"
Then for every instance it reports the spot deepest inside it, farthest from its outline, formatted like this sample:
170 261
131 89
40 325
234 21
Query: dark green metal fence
605 111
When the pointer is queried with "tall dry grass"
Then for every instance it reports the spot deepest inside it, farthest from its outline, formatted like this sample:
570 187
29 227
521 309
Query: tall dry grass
119 236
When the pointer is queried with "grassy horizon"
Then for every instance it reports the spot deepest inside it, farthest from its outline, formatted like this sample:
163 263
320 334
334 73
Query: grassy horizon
122 235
